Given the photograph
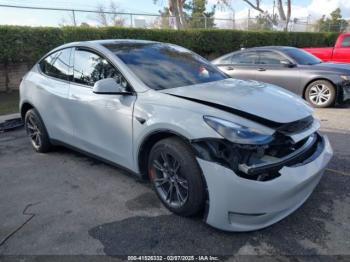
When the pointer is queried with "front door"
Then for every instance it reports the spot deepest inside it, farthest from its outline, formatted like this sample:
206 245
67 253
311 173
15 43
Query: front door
102 122
272 70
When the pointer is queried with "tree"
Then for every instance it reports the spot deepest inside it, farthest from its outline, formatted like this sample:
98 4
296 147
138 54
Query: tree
283 16
334 23
197 15
109 17
263 23
163 21
176 9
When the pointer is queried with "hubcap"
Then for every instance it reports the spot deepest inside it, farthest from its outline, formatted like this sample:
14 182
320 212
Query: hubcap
319 94
33 131
166 175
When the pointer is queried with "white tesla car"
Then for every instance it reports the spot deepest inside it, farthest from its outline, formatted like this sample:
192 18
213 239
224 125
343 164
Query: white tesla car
245 154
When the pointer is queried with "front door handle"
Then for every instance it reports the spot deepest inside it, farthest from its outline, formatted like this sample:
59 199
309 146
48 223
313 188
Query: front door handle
261 69
230 68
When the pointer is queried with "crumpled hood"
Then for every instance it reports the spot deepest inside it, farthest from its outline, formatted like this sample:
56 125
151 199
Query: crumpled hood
248 97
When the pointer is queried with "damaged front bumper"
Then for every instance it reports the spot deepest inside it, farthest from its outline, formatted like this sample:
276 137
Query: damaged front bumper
240 204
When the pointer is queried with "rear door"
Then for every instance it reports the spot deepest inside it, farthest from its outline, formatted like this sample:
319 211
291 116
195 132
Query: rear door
51 99
102 122
341 52
241 65
272 70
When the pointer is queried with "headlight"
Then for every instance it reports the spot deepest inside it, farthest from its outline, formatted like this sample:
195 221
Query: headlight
345 77
237 133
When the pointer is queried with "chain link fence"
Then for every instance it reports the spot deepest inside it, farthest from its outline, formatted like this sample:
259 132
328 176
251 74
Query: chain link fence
44 16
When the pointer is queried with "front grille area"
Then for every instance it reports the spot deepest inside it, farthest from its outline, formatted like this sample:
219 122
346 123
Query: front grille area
296 126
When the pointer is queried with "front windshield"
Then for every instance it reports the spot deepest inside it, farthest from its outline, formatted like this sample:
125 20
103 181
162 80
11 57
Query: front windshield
302 57
162 66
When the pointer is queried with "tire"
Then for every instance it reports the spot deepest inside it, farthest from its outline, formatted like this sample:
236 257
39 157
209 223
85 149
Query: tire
320 94
36 130
180 171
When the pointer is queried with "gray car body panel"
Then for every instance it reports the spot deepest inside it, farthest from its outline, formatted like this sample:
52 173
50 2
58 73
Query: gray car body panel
294 79
107 126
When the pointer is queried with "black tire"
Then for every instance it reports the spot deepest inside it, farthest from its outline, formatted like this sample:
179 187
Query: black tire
188 170
326 99
36 130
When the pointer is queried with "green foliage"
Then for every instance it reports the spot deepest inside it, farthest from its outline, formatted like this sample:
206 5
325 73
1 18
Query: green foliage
196 10
333 24
28 44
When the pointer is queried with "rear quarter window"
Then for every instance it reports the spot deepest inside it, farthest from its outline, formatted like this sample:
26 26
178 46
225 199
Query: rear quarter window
57 65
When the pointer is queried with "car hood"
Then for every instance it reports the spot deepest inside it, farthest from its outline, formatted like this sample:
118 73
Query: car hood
250 99
333 67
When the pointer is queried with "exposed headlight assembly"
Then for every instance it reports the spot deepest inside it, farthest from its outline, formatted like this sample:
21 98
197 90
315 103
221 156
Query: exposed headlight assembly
237 133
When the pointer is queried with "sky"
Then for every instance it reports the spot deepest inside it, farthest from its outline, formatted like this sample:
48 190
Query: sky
300 9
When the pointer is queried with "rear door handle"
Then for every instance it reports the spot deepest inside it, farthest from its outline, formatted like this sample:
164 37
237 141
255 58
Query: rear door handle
261 69
230 68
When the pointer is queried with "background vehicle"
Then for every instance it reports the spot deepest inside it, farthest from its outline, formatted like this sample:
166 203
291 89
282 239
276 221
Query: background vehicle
321 84
340 53
163 112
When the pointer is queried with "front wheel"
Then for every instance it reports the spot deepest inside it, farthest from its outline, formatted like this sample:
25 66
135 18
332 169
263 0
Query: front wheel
176 177
320 94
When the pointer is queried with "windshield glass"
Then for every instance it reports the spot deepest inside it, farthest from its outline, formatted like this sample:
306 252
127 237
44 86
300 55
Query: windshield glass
302 57
163 66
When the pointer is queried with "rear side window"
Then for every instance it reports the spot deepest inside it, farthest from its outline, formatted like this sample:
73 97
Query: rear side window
226 61
90 67
270 58
245 58
57 65
345 42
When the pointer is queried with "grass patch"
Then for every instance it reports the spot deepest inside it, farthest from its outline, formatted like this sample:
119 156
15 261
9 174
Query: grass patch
9 102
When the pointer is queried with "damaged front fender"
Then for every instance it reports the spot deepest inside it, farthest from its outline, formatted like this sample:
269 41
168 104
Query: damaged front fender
239 204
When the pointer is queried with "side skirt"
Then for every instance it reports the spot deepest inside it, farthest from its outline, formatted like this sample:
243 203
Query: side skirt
60 143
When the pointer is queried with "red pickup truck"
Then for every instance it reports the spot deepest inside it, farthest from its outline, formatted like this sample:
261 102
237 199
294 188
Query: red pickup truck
340 53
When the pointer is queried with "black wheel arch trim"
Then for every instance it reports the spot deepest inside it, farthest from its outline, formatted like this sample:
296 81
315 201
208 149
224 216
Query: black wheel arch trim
157 135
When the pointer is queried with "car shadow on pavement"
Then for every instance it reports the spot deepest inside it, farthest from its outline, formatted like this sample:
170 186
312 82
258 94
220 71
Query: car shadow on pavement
308 231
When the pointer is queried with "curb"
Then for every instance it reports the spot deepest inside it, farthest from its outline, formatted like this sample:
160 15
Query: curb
4 118
10 122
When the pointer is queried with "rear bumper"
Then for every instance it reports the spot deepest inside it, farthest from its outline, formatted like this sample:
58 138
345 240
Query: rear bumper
239 204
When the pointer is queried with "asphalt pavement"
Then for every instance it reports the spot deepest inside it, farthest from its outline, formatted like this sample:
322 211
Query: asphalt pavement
65 203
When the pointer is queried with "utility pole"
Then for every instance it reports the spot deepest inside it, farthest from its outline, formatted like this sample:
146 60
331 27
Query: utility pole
74 20
248 18
233 19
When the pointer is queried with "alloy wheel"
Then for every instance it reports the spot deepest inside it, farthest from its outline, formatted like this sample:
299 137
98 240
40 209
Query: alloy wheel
167 179
33 131
319 94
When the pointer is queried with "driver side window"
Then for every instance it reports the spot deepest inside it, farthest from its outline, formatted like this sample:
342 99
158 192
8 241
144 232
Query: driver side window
345 42
90 68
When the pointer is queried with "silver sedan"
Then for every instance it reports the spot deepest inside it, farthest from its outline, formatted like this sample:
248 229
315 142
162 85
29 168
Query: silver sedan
242 153
321 84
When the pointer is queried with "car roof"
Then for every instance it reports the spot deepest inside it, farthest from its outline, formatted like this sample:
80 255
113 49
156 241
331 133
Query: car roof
276 48
95 43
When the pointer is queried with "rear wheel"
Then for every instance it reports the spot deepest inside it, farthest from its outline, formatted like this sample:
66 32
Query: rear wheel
176 177
320 94
37 132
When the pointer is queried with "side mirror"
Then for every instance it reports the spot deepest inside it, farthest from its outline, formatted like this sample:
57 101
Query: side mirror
287 63
109 86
